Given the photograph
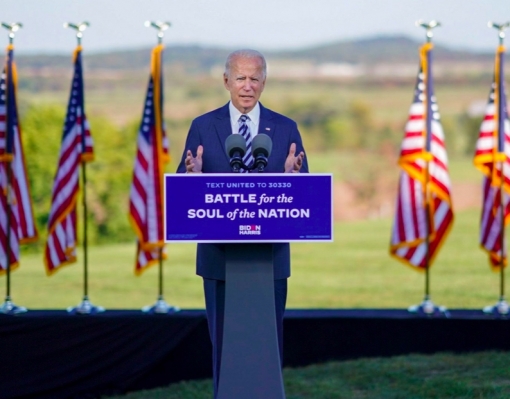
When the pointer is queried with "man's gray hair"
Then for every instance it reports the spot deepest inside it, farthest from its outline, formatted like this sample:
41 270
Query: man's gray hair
245 53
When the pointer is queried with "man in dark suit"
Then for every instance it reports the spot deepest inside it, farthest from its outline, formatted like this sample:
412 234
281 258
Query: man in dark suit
244 78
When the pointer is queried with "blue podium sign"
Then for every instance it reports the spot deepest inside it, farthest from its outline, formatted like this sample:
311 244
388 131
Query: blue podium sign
248 207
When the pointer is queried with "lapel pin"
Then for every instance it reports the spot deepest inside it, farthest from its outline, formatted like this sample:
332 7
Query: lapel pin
268 128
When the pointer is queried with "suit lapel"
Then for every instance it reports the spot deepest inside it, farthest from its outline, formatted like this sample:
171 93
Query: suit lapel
266 125
223 127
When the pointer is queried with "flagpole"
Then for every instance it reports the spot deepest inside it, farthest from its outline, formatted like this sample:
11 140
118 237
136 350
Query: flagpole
85 306
8 307
8 302
427 307
501 307
160 307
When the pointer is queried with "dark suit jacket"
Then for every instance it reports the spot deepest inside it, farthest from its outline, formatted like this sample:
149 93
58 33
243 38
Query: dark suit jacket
211 130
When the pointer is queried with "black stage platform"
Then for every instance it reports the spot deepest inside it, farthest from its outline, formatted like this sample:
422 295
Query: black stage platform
50 354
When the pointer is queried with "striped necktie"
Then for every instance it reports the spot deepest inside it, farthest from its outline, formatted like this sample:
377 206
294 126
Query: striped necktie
244 130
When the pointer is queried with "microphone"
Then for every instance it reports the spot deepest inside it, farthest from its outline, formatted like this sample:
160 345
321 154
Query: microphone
235 146
262 146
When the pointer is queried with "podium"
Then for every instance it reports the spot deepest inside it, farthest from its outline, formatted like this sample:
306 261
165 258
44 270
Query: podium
250 358
249 212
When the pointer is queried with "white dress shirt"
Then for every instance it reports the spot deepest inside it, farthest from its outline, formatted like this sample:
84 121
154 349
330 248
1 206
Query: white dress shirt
253 123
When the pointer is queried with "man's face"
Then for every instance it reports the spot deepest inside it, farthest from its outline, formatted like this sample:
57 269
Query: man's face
245 83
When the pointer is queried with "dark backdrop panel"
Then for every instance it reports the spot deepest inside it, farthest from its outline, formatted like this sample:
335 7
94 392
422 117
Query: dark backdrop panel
54 355
315 336
50 354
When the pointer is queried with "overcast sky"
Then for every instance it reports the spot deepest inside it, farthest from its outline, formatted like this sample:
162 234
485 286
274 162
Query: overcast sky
259 24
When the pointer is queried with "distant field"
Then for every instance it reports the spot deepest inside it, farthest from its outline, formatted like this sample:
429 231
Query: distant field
121 102
122 99
353 272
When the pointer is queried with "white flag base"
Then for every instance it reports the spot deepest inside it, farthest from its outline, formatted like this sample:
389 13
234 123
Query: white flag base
85 307
160 307
8 307
428 308
501 308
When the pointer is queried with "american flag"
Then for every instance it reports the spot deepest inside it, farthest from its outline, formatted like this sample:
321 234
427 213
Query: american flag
14 197
146 197
76 147
492 157
424 181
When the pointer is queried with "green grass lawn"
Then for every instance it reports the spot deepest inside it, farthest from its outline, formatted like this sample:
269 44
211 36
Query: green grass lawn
478 376
355 271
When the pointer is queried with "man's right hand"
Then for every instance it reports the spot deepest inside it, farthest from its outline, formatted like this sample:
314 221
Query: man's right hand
194 164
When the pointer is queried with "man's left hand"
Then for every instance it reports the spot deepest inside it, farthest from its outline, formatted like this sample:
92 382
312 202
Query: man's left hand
294 162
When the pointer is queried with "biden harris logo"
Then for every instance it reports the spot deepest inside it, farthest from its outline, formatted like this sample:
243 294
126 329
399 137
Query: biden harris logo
250 229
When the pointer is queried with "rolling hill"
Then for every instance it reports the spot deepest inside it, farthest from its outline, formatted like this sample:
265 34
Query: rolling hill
200 59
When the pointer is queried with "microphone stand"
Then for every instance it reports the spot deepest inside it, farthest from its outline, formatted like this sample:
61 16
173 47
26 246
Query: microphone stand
259 165
236 163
